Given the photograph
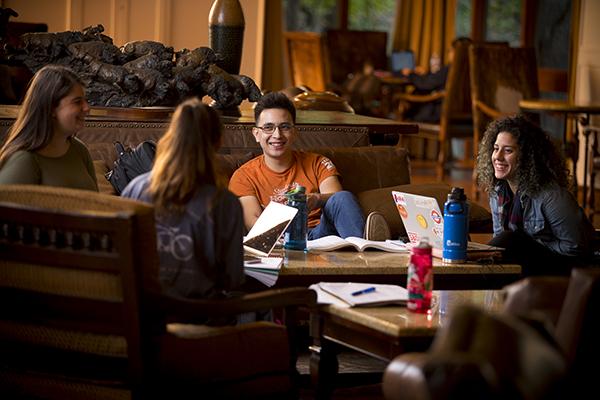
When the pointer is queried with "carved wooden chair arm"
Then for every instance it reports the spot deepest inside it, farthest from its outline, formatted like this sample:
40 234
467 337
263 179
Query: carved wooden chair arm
420 98
489 111
181 308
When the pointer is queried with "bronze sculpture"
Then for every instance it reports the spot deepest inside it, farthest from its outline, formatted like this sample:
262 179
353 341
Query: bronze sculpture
138 74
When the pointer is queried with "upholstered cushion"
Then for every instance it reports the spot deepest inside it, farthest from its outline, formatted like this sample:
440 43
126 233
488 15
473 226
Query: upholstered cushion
104 186
206 355
365 168
506 357
228 163
480 220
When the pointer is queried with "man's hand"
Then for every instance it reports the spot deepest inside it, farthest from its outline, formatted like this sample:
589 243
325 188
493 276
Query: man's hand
314 200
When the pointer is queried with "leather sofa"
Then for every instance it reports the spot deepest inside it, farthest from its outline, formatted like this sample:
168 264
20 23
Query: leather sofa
370 172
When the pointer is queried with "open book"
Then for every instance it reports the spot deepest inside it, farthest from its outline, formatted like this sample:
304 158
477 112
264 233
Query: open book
263 269
330 243
267 229
350 294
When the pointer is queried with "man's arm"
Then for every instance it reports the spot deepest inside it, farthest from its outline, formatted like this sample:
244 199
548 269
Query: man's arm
329 186
251 209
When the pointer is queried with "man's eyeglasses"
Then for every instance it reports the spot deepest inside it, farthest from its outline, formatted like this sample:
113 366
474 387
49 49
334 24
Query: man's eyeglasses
270 128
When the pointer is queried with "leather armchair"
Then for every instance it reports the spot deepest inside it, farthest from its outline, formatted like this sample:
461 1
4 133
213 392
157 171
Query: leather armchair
479 356
568 307
84 316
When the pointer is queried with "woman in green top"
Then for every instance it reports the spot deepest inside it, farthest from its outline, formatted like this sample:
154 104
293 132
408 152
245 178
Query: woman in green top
41 147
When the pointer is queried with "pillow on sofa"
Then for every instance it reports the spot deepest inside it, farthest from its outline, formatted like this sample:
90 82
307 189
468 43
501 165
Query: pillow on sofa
480 219
228 163
370 167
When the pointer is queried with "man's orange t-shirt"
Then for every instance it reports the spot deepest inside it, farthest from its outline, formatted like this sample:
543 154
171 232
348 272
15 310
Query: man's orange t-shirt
254 178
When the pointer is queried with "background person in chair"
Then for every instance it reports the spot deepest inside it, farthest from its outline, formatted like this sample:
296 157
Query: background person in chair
425 83
332 211
198 221
41 147
535 216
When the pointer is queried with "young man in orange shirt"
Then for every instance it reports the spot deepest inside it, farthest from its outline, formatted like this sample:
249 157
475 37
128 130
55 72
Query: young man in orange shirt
332 210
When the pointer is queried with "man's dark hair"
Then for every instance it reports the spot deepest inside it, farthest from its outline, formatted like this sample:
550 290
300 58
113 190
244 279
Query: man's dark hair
274 100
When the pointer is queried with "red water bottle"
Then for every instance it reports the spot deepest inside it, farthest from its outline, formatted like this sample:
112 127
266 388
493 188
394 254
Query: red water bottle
420 278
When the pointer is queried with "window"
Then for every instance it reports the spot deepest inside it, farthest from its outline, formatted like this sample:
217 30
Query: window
462 22
371 15
503 22
310 15
500 22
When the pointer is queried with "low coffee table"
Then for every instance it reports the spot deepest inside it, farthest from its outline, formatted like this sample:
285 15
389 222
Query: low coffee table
304 269
382 332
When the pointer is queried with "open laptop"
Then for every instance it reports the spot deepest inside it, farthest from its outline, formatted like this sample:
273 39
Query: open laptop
268 228
422 217
402 59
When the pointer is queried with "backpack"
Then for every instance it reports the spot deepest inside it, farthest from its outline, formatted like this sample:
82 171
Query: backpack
131 163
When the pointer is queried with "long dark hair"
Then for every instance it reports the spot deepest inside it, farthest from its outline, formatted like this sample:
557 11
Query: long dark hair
186 156
539 161
33 128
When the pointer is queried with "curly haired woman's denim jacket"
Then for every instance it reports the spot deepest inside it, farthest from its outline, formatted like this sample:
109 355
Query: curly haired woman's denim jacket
553 218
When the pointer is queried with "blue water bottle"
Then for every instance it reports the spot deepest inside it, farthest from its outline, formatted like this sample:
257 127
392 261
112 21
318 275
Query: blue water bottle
456 227
294 237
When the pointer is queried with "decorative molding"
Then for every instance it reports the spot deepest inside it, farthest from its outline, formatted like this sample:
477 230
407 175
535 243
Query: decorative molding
119 21
74 15
260 42
162 21
126 124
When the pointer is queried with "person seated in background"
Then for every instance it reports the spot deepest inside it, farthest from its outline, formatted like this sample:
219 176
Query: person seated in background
425 83
535 216
199 222
332 211
41 147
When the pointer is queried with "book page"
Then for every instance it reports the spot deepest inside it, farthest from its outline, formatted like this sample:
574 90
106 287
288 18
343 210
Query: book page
328 243
375 294
363 244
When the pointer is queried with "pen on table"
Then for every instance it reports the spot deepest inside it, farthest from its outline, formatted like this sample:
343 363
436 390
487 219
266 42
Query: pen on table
363 291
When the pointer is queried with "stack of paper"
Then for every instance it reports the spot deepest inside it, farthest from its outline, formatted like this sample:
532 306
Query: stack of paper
350 294
263 269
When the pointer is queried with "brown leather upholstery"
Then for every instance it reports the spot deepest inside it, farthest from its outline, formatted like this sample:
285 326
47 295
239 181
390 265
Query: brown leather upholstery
371 173
87 316
476 356
571 305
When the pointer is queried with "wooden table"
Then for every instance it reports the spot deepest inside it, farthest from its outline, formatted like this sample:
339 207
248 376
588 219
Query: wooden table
303 269
382 332
581 111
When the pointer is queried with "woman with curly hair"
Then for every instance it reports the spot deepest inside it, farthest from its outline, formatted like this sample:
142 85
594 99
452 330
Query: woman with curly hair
535 216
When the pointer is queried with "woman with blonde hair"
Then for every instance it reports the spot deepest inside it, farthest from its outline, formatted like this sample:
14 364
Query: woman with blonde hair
198 221
41 147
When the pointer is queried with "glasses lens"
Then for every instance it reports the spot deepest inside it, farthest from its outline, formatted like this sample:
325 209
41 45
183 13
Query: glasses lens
285 127
268 128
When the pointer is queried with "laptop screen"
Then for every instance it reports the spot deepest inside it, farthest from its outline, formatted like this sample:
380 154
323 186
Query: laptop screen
421 216
401 60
